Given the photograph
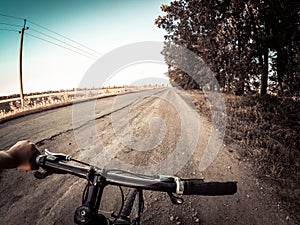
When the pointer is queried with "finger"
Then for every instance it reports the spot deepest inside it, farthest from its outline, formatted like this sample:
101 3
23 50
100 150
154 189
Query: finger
36 149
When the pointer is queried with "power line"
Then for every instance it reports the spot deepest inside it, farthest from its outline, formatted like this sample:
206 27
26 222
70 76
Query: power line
60 46
85 52
45 28
14 17
10 24
9 30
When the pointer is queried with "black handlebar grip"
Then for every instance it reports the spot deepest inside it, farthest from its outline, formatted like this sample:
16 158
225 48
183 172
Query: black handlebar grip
198 187
34 165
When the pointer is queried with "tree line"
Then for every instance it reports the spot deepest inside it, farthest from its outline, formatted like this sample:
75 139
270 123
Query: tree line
249 45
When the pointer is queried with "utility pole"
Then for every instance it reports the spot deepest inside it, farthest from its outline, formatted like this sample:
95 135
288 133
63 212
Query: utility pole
20 62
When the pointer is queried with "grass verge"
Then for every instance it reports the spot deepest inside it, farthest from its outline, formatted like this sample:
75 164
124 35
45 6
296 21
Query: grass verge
267 130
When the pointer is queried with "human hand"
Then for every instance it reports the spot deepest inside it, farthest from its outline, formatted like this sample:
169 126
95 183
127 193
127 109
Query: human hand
22 154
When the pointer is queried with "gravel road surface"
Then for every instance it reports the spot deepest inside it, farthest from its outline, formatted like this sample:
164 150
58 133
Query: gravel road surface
155 131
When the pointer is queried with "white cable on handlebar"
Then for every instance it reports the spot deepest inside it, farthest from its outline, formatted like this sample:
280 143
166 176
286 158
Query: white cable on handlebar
66 157
179 186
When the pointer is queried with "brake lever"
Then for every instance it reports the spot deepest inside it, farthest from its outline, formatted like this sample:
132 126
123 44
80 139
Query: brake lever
60 156
174 199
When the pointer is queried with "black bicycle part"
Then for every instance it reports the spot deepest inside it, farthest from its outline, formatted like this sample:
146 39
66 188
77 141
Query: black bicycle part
128 204
196 187
140 207
87 213
98 179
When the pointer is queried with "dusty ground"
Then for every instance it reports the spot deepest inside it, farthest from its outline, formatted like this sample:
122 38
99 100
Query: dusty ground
150 120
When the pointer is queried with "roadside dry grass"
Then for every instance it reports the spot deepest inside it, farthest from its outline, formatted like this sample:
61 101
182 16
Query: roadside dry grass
14 107
11 108
267 131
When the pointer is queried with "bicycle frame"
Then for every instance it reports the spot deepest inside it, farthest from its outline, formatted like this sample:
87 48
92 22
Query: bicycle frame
129 204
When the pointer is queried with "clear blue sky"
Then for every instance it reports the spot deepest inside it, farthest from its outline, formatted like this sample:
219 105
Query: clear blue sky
102 25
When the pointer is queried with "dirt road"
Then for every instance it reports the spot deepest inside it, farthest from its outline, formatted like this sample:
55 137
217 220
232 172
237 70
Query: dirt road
154 131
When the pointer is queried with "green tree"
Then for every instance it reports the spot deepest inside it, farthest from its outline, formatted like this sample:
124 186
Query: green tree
238 40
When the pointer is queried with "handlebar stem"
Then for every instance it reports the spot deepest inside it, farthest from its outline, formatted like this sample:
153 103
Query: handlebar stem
88 211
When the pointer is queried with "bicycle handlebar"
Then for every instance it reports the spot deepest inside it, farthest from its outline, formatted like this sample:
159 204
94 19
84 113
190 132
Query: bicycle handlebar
170 184
54 163
194 187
